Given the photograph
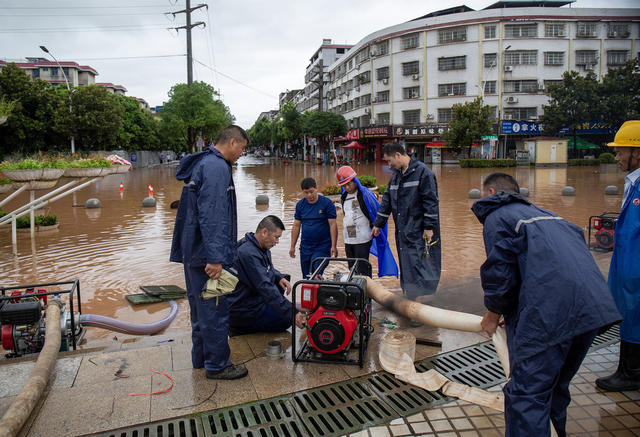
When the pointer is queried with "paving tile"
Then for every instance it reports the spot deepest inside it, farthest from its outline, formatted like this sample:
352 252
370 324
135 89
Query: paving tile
291 377
472 410
398 421
101 368
469 434
416 418
611 423
453 412
589 425
97 408
420 427
629 421
363 433
435 414
573 427
441 425
482 422
379 431
461 423
400 430
631 407
181 357
15 375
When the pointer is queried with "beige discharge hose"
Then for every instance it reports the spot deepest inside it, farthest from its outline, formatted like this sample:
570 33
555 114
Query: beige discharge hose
437 317
23 405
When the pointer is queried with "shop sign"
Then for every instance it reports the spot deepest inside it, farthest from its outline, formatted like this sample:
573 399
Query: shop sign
352 134
489 137
590 127
420 131
521 128
375 132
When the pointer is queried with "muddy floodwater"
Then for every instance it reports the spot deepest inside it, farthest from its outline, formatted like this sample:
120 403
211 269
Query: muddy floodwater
115 249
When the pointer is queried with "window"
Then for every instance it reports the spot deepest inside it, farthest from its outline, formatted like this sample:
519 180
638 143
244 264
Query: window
452 35
551 82
45 69
586 30
521 113
382 48
365 100
493 112
444 115
411 117
362 55
523 57
340 51
382 73
410 41
553 58
490 60
586 57
409 68
36 73
618 30
65 70
383 118
364 77
520 86
356 102
490 87
554 30
350 63
349 105
489 32
521 30
54 72
365 120
452 89
617 57
453 63
412 92
382 96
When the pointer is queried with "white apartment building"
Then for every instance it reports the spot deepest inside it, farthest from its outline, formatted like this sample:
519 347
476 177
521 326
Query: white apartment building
412 73
41 68
316 76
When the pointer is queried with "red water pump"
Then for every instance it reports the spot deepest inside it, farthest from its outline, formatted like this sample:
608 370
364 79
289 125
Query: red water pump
339 318
604 226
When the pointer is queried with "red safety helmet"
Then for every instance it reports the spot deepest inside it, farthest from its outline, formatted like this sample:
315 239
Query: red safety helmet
345 174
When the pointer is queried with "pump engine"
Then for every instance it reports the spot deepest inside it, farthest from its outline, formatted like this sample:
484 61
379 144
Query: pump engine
604 225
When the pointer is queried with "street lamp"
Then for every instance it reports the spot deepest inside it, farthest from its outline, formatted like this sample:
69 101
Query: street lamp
44 49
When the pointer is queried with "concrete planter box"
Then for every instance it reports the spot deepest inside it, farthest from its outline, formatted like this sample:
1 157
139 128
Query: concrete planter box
23 175
7 188
82 172
38 229
119 169
41 185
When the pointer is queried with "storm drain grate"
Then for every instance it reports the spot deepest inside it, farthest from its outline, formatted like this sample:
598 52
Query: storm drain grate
347 406
342 408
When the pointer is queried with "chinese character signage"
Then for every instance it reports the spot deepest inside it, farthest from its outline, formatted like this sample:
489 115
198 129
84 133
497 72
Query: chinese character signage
590 127
420 131
375 132
521 128
352 134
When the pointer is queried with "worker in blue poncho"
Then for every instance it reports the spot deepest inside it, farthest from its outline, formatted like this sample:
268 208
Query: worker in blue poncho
360 206
624 272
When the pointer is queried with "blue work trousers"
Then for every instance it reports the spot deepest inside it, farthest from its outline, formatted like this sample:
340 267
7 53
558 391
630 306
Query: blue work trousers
539 388
209 323
268 321
308 254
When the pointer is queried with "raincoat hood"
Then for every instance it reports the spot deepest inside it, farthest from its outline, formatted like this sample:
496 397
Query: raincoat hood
485 206
188 163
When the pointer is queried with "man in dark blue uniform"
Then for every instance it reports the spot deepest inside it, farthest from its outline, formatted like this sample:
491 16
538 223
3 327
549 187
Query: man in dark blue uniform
539 275
412 197
204 241
316 216
258 303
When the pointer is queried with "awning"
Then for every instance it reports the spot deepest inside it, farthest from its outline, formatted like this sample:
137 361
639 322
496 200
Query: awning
437 144
354 145
582 144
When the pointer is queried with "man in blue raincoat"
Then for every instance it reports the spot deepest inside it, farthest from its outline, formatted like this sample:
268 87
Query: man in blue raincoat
412 197
540 276
624 272
258 303
204 241
360 207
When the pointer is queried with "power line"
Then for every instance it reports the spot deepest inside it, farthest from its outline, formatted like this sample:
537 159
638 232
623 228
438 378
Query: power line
121 28
236 80
74 15
86 7
128 57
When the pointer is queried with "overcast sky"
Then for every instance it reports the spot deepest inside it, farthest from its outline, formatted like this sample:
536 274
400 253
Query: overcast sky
259 48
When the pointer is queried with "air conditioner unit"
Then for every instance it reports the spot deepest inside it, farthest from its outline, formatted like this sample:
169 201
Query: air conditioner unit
508 68
385 81
366 110
415 77
374 53
429 116
357 88
508 116
540 86
511 99
588 66
375 99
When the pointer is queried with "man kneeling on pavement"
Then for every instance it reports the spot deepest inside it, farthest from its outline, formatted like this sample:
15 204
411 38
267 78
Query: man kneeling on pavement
258 303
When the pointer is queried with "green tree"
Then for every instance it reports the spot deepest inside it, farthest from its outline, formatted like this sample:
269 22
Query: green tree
620 90
95 120
260 132
323 124
470 121
30 125
138 130
291 121
193 109
576 100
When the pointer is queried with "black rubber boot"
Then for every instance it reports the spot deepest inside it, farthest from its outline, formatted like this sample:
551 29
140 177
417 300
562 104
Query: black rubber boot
627 376
231 372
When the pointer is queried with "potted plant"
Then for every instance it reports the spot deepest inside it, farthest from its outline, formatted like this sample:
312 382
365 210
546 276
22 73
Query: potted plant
88 167
32 169
46 223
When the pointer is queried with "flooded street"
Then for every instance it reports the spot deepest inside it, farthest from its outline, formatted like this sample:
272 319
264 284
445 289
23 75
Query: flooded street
115 249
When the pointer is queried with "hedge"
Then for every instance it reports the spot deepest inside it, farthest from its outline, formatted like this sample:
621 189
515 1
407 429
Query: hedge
382 189
583 162
480 163
607 158
368 181
331 190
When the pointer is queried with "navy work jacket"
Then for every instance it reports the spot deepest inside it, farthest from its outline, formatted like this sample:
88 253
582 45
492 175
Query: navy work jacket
540 275
206 228
258 283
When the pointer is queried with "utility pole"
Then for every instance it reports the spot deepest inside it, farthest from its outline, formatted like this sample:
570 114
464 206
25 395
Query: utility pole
187 11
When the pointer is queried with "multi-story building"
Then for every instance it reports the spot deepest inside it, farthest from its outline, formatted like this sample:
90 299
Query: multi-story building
41 68
112 88
401 82
316 77
288 96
